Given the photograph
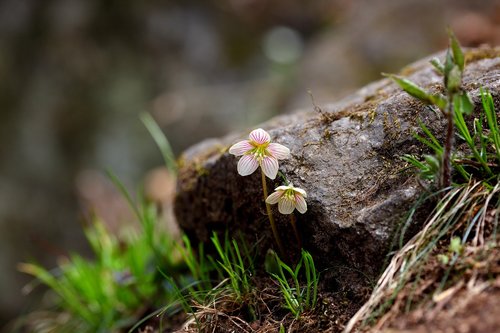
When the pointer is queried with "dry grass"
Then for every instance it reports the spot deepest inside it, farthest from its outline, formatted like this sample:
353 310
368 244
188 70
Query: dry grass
417 282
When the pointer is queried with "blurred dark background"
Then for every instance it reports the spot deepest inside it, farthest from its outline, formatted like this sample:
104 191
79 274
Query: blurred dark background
75 74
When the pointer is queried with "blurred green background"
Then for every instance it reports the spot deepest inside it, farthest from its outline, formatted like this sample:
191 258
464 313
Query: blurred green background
75 75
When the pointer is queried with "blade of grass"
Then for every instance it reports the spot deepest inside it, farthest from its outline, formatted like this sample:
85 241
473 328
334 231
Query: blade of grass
491 117
161 141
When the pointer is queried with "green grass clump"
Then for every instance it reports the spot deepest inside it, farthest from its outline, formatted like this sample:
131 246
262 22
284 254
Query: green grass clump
199 283
298 298
215 284
482 160
235 265
107 293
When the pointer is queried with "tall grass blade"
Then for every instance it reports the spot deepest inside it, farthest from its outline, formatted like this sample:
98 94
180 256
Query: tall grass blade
161 141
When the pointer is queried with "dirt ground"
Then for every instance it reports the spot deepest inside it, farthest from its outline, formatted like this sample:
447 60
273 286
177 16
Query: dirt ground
463 314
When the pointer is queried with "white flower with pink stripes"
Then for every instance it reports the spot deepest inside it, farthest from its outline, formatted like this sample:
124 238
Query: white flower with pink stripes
259 151
288 198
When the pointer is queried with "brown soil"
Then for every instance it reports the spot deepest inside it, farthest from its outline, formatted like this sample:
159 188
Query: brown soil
464 313
263 312
330 315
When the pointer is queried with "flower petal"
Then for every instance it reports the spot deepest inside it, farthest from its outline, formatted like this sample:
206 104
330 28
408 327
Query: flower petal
300 203
282 188
300 191
247 165
260 136
274 197
279 151
270 166
286 205
240 148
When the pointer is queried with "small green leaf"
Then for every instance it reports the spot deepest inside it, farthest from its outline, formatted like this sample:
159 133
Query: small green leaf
456 245
463 103
448 65
433 162
270 262
437 65
458 55
454 79
412 88
439 100
413 160
443 258
491 117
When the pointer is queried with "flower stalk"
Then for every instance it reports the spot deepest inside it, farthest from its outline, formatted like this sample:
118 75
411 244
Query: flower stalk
270 216
294 226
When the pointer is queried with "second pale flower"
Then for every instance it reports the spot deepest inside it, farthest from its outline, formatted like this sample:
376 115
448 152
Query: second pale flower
288 198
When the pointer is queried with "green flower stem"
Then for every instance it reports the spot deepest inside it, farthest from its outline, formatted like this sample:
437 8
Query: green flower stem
270 215
294 226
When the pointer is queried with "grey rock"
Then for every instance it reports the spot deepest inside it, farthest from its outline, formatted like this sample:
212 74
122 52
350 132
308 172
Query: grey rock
345 155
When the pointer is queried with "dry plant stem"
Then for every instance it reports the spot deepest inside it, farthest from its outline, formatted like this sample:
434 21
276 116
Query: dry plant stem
448 146
294 226
270 215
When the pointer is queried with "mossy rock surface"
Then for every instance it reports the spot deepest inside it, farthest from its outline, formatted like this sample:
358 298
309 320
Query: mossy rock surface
346 155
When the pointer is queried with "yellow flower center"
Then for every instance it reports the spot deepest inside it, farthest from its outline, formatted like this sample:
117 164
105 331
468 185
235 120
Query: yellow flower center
289 194
260 150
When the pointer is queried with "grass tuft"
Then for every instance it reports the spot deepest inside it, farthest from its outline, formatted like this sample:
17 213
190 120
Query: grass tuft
298 298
